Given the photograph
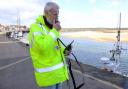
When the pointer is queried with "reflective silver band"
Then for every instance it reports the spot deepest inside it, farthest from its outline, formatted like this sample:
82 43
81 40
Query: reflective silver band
48 69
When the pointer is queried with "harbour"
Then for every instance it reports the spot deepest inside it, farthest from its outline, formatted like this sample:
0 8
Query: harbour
15 65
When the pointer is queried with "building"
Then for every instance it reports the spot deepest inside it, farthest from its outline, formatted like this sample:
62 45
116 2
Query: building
10 28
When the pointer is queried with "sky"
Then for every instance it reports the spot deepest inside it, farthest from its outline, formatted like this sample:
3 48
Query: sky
73 13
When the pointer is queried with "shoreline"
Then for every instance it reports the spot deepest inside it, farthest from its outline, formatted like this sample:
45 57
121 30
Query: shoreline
102 36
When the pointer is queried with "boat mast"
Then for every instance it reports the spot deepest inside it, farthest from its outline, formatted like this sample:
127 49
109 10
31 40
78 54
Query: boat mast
18 21
118 35
117 51
118 45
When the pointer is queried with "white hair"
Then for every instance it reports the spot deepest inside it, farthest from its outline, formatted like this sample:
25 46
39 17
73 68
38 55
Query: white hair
49 6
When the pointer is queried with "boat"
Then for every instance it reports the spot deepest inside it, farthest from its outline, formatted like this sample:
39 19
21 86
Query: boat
112 64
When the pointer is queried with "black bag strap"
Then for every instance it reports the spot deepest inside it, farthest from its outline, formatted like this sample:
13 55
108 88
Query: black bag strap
71 73
70 69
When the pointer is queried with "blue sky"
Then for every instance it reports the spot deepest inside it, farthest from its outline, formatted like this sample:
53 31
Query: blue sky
73 13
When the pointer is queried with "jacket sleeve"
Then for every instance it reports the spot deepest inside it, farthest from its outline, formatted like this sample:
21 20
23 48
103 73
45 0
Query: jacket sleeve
41 40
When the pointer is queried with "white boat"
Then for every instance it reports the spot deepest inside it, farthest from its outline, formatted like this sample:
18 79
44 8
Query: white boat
24 39
113 62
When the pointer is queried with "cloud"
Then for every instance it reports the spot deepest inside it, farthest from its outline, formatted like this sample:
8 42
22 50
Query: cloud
28 10
74 19
92 1
97 18
115 3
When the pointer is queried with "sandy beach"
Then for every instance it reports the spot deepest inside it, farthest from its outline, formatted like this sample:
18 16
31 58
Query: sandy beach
105 36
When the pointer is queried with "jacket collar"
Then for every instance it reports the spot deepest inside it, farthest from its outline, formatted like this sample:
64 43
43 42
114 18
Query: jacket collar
47 23
42 19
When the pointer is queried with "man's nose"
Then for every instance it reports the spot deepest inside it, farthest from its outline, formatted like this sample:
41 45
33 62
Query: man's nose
56 15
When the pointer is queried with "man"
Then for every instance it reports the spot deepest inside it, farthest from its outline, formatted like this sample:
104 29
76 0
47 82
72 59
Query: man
46 51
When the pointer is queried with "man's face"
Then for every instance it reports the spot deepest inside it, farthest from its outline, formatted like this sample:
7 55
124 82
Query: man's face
53 13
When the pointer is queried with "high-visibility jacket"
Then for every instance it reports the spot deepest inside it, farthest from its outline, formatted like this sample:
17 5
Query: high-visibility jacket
46 54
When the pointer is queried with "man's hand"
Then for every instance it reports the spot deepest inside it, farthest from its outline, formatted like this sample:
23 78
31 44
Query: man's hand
67 52
68 49
56 25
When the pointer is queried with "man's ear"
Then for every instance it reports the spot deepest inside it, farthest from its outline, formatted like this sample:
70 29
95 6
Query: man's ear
46 12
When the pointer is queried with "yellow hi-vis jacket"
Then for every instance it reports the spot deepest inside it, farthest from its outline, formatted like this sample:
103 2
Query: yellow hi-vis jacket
45 53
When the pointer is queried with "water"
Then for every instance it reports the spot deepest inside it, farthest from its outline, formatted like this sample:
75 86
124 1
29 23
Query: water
90 51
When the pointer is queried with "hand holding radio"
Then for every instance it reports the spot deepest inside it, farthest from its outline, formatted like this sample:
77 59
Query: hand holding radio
68 49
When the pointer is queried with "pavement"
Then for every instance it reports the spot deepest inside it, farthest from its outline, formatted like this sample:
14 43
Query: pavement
16 70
